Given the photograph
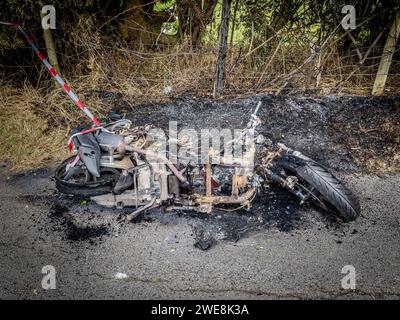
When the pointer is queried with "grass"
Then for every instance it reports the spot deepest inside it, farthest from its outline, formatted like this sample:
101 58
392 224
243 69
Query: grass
27 140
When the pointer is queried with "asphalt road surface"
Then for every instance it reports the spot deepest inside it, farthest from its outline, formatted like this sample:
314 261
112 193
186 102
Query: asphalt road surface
97 256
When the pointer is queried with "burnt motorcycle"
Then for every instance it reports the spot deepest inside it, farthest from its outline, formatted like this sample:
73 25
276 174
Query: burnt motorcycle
117 165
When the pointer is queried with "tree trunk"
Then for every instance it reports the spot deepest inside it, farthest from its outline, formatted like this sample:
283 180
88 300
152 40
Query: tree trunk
286 10
194 16
383 70
223 39
233 21
50 47
141 26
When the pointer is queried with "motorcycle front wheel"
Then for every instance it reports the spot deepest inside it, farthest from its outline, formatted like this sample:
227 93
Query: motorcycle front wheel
325 190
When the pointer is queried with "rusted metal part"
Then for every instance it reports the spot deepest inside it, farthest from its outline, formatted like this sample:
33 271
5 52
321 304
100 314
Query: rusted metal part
208 207
235 189
136 189
269 157
237 183
208 180
242 199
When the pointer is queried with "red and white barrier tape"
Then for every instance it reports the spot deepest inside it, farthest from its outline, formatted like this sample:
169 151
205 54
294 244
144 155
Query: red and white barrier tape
55 75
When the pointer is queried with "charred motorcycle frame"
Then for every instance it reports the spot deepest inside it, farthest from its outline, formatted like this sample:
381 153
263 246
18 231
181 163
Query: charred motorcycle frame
119 166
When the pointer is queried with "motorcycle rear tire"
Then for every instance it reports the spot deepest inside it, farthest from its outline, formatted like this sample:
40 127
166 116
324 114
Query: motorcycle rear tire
90 189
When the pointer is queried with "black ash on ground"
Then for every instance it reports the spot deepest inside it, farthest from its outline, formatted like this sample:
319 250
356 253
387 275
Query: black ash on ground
343 133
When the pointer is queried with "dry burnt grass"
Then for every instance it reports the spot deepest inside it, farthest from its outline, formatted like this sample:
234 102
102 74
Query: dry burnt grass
355 135
372 134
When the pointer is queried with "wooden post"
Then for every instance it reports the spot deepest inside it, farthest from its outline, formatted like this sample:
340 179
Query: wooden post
383 70
50 47
223 39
